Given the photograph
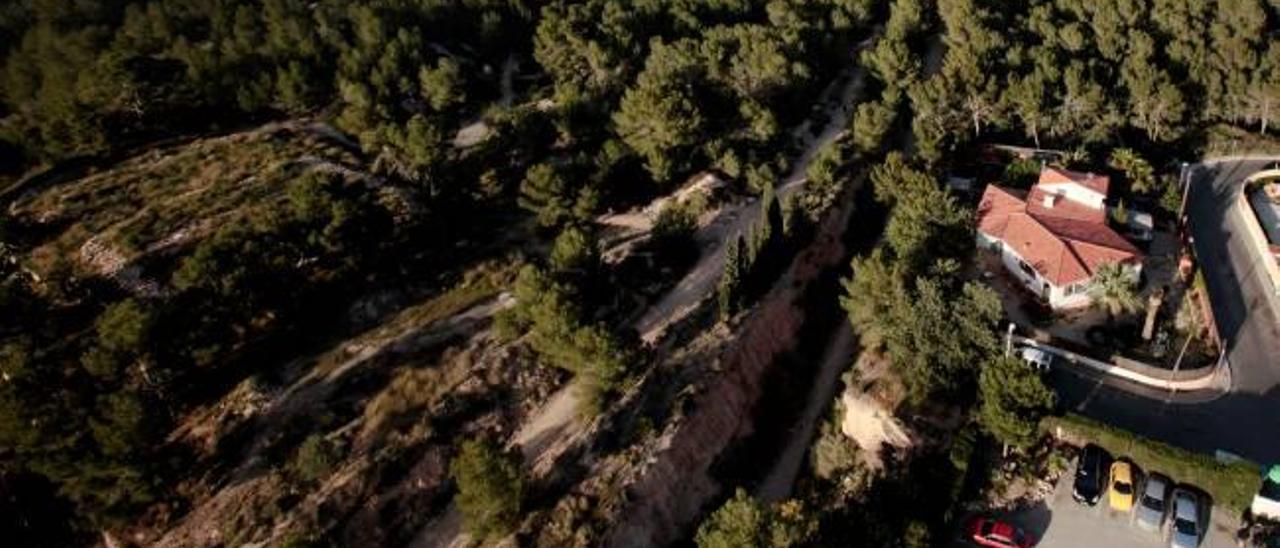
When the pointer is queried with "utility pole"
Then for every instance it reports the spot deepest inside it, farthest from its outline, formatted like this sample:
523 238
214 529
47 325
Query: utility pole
1173 389
1008 341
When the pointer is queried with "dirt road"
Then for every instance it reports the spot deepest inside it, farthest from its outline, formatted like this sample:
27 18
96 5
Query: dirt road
555 421
701 280
840 353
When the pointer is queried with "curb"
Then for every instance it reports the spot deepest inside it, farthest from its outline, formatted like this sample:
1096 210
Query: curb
1207 381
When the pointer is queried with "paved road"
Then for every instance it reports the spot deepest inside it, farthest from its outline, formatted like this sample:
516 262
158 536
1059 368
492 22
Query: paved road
1060 522
1246 420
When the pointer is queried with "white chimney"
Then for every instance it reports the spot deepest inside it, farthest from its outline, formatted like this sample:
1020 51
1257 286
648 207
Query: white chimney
1049 199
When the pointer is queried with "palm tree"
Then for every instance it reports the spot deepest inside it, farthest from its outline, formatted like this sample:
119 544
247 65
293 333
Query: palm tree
1113 290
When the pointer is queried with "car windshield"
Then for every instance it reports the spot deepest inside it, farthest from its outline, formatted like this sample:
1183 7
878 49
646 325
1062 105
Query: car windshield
1123 488
987 527
1185 527
1153 503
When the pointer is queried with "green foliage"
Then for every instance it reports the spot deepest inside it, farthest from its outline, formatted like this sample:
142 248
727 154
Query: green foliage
491 487
315 459
891 60
1231 485
1014 398
674 227
659 118
917 535
926 222
1171 196
124 327
555 200
935 331
833 453
729 292
823 186
556 327
744 522
1113 289
871 124
1021 173
1136 170
124 424
442 86
574 251
1120 214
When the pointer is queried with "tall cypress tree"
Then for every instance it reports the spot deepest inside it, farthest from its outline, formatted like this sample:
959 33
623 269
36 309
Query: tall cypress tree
730 291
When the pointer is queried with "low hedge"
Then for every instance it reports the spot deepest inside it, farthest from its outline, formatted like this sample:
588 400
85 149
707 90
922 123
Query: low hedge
1232 486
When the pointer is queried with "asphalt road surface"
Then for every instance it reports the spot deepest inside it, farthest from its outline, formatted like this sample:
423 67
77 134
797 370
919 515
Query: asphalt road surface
1245 421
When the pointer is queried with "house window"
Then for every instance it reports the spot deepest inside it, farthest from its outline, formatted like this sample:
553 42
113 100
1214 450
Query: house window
1077 288
1026 269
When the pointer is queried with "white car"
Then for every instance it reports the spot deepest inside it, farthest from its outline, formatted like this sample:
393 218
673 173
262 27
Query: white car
1037 358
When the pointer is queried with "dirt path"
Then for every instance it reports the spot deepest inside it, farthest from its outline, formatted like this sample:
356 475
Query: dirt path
840 353
701 280
555 421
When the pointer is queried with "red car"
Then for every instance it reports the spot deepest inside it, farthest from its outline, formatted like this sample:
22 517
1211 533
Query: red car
998 534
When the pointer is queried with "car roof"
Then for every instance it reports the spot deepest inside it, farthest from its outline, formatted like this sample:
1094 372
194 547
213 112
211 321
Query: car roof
1002 529
1094 453
1184 505
1156 484
1121 470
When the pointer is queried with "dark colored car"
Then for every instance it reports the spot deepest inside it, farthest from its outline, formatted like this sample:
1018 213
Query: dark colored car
1090 475
998 534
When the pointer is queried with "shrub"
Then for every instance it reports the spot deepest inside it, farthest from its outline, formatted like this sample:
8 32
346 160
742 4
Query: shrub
1231 485
315 459
1021 173
673 231
490 487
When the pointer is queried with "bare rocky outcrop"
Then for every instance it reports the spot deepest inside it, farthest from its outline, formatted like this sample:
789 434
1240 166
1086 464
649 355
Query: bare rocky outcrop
871 426
110 264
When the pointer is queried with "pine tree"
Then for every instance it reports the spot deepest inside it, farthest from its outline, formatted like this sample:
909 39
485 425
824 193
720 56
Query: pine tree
730 291
490 487
546 193
1013 400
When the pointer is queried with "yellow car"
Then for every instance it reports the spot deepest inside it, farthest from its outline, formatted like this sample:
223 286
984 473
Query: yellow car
1120 493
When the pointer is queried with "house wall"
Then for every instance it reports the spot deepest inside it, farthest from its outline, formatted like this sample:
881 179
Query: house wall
1057 295
1010 259
1058 298
1076 193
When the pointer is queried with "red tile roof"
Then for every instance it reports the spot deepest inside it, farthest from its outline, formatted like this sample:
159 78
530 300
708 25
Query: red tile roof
1096 183
1065 243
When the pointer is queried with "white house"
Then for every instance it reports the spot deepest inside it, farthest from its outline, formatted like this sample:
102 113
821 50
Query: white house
1055 237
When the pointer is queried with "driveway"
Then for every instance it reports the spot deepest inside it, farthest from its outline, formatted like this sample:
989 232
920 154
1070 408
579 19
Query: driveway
1245 420
1060 522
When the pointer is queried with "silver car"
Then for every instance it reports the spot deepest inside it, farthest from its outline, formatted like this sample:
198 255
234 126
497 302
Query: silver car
1185 531
1149 514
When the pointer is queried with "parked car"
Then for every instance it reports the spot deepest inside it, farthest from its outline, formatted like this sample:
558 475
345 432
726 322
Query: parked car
1140 226
1037 358
1120 493
1186 520
1150 512
1089 475
998 534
